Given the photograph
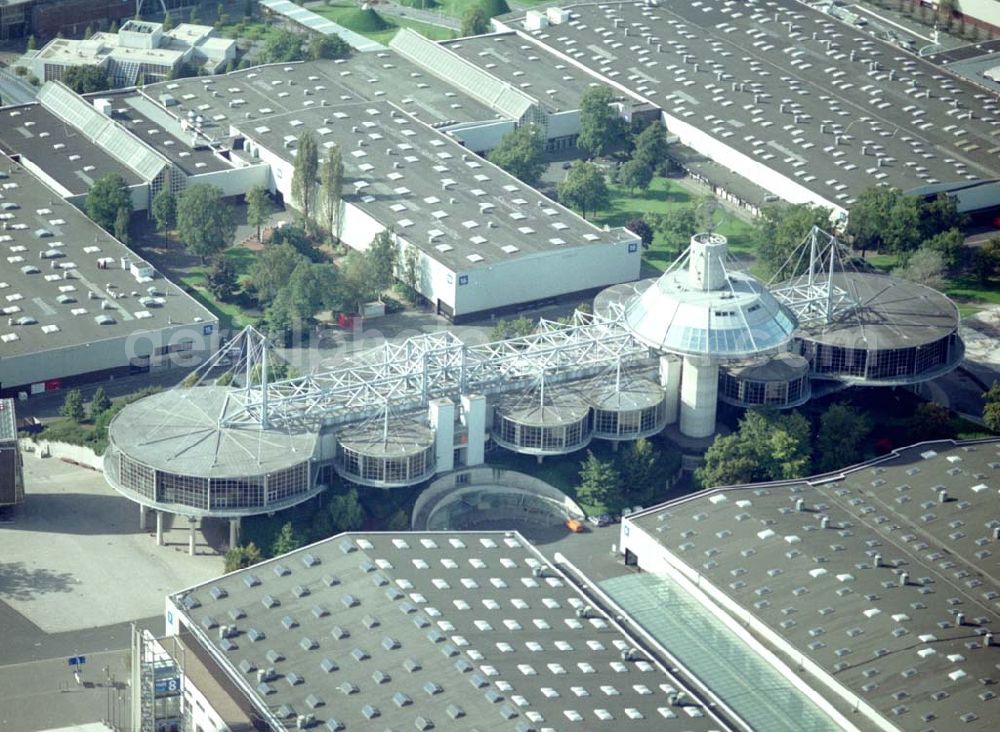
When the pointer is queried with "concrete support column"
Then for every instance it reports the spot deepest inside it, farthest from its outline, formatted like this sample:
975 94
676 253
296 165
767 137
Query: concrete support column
670 380
142 517
699 397
192 522
234 531
474 417
441 413
159 528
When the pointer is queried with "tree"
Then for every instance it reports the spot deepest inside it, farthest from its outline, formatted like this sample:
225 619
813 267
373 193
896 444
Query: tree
408 267
600 484
221 278
930 421
72 407
258 208
310 288
398 521
88 31
869 217
296 237
635 173
382 254
925 266
514 328
282 47
841 435
331 47
32 43
356 280
676 226
304 174
272 270
194 18
248 7
641 228
241 557
768 446
99 403
168 22
991 408
475 22
113 28
331 177
106 198
121 226
287 540
584 188
521 153
205 222
939 215
947 243
780 230
165 212
85 79
651 146
902 230
640 465
600 125
346 511
986 261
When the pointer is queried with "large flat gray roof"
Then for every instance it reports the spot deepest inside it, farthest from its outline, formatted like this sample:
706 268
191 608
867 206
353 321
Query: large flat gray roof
558 86
775 80
51 252
66 156
898 646
384 75
453 631
160 131
460 209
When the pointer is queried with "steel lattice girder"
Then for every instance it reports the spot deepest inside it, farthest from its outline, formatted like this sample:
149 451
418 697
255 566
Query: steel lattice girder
407 375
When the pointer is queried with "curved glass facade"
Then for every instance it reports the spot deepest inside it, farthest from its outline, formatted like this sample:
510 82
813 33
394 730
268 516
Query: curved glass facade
748 392
544 439
901 365
382 471
629 424
236 495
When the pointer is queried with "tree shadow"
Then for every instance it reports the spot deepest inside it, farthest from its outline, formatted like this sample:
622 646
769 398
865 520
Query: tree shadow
19 583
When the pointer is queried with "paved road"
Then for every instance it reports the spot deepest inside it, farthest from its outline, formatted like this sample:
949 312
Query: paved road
14 89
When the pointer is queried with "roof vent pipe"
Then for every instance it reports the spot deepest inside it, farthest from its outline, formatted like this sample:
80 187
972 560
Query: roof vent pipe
988 640
942 494
996 533
904 578
960 619
824 523
800 505
877 560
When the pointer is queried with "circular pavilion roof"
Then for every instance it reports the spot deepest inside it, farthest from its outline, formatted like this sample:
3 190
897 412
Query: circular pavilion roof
178 431
403 438
889 313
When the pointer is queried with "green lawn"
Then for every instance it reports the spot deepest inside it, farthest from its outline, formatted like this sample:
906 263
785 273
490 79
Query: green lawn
347 16
230 315
662 196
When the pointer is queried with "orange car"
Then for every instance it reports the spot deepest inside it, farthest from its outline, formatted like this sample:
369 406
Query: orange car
573 525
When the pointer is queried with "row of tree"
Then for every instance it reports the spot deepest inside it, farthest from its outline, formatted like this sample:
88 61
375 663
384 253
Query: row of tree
771 445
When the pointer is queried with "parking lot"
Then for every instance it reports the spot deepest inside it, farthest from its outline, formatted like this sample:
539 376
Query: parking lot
74 557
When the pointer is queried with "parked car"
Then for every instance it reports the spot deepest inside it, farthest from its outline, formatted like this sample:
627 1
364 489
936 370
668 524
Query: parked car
575 526
601 520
